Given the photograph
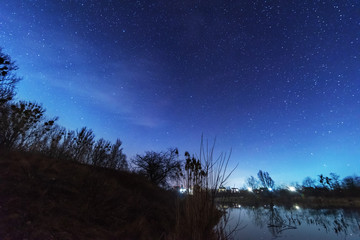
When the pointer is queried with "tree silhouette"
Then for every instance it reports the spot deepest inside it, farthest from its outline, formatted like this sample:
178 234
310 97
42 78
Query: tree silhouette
84 141
351 182
335 184
8 78
325 181
101 152
117 159
252 182
265 179
309 182
105 154
18 121
24 127
158 167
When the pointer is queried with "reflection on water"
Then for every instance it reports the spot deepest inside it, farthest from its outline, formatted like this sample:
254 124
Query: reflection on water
296 223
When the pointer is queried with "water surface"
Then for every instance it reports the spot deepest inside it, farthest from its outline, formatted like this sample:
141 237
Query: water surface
294 223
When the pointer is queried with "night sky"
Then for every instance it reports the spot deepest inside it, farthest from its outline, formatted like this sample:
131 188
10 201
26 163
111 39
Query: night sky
276 81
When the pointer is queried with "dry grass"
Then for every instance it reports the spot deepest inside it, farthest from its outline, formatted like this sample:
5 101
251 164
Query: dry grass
42 198
197 218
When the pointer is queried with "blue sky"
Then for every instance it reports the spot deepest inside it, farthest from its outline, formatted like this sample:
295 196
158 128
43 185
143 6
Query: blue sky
276 82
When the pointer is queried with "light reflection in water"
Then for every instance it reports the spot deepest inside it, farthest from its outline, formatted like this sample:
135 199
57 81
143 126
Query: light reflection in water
295 223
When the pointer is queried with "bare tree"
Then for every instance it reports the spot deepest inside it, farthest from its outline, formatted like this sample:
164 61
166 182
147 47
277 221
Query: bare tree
325 181
8 78
335 184
18 121
105 154
83 145
101 152
266 180
56 135
158 167
117 159
252 182
66 146
351 182
309 182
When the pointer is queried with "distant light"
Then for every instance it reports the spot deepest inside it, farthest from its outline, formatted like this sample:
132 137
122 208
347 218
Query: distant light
292 189
270 189
297 207
182 190
250 189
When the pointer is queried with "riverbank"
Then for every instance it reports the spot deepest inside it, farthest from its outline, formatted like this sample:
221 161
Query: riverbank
290 201
42 198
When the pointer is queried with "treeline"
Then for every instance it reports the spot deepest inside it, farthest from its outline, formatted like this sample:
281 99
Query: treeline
24 127
324 192
331 185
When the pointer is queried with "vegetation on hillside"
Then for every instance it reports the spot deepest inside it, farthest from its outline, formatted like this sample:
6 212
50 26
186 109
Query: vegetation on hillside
63 184
57 183
43 198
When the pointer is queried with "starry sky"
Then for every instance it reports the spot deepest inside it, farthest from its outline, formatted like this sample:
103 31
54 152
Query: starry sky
278 82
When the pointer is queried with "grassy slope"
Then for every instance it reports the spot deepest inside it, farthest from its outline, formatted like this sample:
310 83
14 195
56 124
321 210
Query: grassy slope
42 198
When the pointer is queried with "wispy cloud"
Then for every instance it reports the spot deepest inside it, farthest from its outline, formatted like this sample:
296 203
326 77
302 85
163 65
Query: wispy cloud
123 88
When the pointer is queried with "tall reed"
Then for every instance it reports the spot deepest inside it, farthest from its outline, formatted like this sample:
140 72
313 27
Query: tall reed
197 214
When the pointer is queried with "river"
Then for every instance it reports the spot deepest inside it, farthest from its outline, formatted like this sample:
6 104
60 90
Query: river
293 224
